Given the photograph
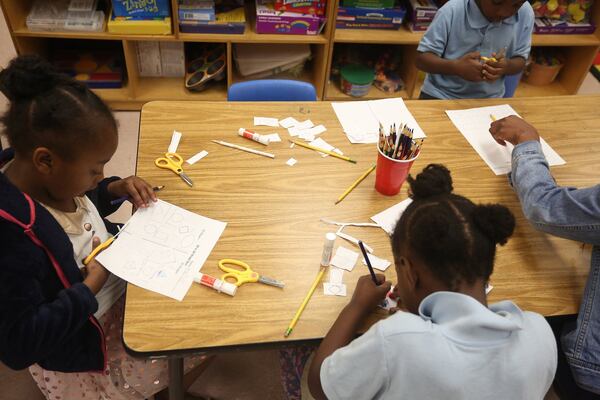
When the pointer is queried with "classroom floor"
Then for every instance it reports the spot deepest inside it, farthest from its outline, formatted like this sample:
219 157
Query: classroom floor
236 375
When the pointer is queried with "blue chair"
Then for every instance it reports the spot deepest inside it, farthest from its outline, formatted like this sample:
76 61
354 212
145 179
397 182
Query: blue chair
510 84
272 90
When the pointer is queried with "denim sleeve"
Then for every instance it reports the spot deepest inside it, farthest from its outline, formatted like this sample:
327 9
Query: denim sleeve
435 39
559 210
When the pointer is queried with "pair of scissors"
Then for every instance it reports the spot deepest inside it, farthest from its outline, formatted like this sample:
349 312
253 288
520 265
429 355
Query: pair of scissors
244 275
173 161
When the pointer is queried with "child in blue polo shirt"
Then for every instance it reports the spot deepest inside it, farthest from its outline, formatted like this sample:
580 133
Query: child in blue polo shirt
471 45
449 343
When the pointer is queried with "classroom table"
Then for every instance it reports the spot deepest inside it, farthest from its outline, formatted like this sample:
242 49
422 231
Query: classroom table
273 214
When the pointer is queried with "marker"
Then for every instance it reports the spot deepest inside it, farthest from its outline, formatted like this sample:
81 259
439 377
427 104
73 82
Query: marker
122 199
362 248
214 283
253 136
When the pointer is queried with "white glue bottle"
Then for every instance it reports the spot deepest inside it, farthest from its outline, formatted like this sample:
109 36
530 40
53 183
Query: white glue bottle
217 284
327 249
253 136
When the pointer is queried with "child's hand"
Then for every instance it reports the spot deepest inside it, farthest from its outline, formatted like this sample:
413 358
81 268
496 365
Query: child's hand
469 67
367 295
493 70
94 273
139 190
514 130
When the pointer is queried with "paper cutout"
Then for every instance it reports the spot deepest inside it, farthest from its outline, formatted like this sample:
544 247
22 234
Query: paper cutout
344 258
194 159
474 124
388 218
175 138
334 289
291 162
319 142
377 263
288 122
264 121
161 248
304 124
273 137
336 275
488 288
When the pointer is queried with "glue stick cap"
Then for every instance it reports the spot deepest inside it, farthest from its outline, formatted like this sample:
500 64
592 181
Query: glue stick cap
227 288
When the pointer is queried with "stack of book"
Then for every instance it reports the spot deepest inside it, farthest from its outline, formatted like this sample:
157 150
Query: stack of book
369 14
140 17
290 17
210 16
422 13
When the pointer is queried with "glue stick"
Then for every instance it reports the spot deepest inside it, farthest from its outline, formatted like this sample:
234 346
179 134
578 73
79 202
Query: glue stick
217 284
253 136
327 249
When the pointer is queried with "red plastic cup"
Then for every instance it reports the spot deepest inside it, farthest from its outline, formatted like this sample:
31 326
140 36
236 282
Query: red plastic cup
391 173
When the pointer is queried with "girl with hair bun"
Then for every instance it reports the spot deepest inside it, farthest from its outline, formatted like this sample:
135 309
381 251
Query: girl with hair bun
447 342
60 320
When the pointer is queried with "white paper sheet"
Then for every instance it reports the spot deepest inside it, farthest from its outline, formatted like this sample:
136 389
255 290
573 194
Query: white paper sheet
360 119
377 263
388 218
194 159
264 121
474 124
288 122
175 138
161 248
344 258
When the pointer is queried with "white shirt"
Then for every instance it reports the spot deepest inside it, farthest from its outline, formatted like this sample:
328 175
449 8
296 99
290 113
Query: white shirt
81 226
456 348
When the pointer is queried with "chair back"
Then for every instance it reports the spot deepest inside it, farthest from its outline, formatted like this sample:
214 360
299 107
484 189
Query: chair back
272 90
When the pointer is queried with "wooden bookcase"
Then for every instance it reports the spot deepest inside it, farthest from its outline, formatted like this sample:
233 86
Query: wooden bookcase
579 52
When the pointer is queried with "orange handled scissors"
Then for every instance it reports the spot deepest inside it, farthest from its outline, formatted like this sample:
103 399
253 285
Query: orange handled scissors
244 275
173 161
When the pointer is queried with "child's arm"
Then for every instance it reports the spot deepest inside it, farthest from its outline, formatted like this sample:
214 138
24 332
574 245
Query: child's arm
467 67
365 299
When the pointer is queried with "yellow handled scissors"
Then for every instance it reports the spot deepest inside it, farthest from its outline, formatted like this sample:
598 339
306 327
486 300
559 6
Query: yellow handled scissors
244 275
173 161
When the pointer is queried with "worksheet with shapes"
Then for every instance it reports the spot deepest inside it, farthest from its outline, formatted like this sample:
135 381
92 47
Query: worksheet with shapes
161 248
474 124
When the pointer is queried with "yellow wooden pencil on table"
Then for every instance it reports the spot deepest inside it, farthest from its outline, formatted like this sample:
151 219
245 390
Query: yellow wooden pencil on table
355 184
315 148
318 278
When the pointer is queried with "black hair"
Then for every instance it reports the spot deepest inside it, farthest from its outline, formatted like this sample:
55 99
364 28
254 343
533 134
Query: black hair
455 238
50 109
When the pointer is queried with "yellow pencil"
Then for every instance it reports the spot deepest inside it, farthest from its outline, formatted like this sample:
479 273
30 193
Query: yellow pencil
492 117
331 153
355 184
304 302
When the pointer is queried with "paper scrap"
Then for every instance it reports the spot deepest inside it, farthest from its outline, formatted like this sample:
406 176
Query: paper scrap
377 263
304 124
334 289
336 275
273 137
291 162
175 138
264 121
388 218
288 122
344 258
319 142
474 124
488 288
194 159
161 248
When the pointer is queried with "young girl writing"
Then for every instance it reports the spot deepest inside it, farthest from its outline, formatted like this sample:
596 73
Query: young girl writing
448 344
62 321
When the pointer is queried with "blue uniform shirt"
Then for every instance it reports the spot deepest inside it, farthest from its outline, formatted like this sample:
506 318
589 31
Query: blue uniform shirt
459 28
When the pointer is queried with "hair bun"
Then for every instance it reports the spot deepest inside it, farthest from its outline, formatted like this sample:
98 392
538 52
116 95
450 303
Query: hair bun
26 77
434 180
495 221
